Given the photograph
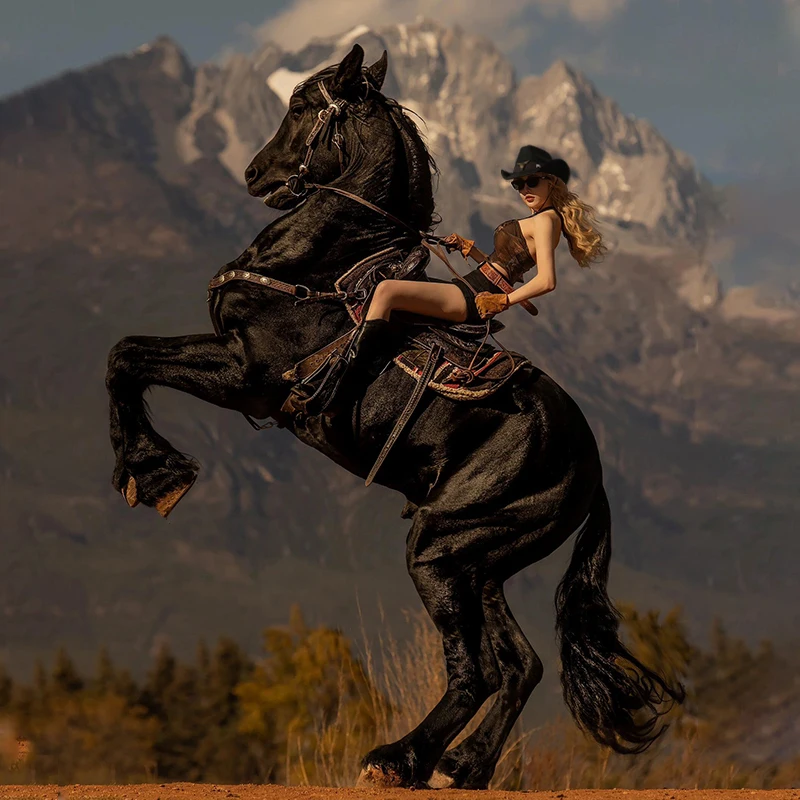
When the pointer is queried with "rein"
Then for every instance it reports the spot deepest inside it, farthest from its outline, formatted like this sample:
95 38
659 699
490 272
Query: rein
427 239
299 186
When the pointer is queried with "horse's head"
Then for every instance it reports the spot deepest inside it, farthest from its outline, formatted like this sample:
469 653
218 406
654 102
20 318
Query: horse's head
282 155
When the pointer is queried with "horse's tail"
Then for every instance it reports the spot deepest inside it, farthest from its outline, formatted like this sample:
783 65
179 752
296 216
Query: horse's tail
613 701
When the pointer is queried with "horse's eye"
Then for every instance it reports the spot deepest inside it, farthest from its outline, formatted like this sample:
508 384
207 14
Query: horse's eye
297 109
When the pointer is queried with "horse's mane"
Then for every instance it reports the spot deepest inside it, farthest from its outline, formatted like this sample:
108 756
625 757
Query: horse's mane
421 163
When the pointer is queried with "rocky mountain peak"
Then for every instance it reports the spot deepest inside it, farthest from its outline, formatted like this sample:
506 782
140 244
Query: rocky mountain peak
166 46
620 164
561 70
170 57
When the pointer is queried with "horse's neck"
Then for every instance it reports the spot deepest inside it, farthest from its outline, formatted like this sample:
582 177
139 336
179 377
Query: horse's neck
326 235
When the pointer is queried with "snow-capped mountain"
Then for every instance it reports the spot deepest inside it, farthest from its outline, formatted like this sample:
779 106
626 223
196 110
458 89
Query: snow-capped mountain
475 115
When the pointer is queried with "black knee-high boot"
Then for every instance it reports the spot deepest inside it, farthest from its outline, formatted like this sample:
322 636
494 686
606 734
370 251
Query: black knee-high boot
369 352
367 357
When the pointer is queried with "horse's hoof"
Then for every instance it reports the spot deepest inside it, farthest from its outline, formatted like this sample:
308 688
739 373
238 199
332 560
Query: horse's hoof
129 493
374 777
169 501
440 781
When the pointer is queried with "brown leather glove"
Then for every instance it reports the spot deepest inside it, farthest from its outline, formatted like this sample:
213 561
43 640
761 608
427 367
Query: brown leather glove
491 303
459 243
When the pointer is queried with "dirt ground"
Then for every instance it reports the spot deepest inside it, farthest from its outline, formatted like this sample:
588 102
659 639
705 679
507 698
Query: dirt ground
192 791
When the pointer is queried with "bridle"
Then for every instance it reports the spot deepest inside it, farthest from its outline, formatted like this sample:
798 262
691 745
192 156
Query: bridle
299 186
296 183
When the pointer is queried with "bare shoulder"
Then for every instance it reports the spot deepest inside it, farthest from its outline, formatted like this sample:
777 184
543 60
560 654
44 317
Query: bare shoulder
544 221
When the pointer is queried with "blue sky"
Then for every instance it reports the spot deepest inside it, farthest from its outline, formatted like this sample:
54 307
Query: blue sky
719 78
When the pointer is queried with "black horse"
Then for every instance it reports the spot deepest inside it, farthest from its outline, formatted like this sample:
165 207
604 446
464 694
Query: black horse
493 486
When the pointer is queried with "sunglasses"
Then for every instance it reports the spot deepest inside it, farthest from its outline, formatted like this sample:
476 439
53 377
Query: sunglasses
531 181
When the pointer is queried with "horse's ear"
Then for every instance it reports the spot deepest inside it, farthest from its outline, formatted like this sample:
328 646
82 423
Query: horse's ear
377 71
348 75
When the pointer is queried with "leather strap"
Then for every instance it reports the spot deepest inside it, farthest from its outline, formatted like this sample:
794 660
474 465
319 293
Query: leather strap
441 255
368 204
498 280
296 289
308 365
413 400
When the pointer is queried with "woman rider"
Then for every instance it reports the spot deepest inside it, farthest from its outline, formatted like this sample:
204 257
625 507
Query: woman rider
519 244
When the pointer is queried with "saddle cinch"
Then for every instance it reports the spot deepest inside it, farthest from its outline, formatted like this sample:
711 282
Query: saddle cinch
449 358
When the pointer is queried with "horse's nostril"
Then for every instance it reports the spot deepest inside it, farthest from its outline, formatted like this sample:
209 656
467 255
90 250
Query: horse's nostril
250 173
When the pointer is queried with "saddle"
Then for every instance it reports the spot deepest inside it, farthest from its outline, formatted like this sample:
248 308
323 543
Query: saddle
469 369
451 359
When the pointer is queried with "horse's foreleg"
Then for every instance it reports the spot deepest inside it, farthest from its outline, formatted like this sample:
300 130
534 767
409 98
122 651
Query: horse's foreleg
148 468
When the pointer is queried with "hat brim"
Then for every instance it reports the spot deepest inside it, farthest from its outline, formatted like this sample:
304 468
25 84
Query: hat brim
509 176
556 167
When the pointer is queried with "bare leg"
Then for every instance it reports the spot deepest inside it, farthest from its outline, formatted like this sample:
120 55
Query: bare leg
443 300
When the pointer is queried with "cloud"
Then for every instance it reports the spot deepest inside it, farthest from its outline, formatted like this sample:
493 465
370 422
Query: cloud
502 20
585 11
792 8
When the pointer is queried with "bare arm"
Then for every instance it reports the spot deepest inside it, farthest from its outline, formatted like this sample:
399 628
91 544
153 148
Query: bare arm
545 280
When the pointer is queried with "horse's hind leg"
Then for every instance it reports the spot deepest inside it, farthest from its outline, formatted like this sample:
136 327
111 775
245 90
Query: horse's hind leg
451 593
148 468
472 764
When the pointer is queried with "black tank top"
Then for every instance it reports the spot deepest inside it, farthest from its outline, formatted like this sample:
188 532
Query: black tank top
511 250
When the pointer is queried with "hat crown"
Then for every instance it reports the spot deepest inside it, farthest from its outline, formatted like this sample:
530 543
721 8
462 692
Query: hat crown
531 159
528 154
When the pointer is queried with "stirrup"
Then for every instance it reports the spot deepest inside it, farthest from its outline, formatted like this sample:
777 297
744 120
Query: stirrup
335 385
310 400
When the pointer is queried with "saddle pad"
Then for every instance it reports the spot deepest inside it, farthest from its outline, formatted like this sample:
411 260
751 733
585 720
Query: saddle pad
461 352
460 383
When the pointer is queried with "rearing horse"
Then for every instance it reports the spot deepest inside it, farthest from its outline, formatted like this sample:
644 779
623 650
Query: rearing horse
494 485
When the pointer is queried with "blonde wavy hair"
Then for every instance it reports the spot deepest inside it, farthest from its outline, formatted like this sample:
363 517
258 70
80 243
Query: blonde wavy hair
578 222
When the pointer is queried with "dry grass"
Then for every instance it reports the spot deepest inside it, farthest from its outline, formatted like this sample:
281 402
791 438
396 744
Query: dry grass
409 678
562 758
13 753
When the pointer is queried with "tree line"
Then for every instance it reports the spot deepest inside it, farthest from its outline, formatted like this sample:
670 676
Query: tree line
307 708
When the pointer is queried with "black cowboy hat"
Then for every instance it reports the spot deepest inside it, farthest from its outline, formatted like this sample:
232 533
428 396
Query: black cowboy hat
533 159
